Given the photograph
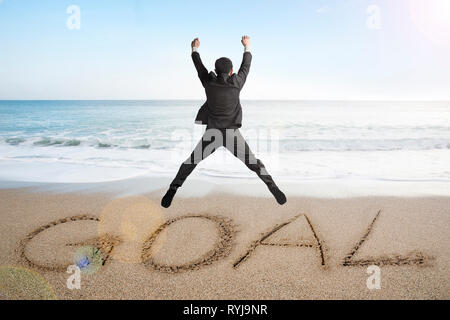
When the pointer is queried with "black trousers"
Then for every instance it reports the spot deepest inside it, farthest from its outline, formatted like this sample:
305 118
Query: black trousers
212 140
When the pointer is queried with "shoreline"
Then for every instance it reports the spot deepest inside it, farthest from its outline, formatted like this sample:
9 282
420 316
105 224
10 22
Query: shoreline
199 185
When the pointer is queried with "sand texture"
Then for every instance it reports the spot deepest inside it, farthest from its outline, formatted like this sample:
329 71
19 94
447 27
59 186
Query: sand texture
224 246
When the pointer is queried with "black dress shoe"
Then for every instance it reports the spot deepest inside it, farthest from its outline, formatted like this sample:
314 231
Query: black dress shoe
278 194
167 199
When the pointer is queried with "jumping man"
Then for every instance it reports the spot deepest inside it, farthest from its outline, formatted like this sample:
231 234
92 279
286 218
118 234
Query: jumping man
222 115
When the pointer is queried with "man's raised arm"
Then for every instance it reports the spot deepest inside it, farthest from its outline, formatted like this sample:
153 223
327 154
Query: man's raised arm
201 70
246 61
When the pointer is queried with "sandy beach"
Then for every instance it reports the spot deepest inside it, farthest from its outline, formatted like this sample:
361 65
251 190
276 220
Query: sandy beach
109 109
224 246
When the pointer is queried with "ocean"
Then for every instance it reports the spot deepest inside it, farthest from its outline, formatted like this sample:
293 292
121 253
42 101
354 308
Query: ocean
93 141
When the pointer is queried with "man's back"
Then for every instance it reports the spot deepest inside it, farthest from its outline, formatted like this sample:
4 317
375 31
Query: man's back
223 111
222 108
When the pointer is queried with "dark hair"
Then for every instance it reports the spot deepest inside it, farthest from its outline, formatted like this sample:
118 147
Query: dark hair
223 65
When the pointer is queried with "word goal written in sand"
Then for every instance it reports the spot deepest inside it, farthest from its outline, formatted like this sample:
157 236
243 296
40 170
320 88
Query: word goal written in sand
142 233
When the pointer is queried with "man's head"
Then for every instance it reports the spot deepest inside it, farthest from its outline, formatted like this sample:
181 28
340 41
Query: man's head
224 65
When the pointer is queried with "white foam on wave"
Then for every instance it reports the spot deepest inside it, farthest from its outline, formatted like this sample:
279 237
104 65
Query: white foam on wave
97 165
94 141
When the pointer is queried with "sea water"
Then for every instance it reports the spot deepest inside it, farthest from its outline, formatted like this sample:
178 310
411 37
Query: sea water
92 141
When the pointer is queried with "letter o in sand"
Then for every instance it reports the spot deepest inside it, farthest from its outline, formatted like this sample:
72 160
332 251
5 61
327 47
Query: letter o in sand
131 219
220 229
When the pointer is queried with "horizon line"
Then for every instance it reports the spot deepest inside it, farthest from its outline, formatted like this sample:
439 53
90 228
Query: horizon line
199 99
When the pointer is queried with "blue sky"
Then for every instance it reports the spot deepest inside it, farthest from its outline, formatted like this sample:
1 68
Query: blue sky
138 49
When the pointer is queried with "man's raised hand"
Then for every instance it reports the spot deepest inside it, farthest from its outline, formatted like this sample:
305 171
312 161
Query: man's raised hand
195 43
245 41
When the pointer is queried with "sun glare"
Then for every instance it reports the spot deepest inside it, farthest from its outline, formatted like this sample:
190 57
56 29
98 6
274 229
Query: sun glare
432 17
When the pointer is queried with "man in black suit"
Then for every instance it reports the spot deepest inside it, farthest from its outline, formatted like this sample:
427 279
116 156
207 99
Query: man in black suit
222 114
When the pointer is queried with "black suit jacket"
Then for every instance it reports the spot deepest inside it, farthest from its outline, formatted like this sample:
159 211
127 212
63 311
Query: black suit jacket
222 108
